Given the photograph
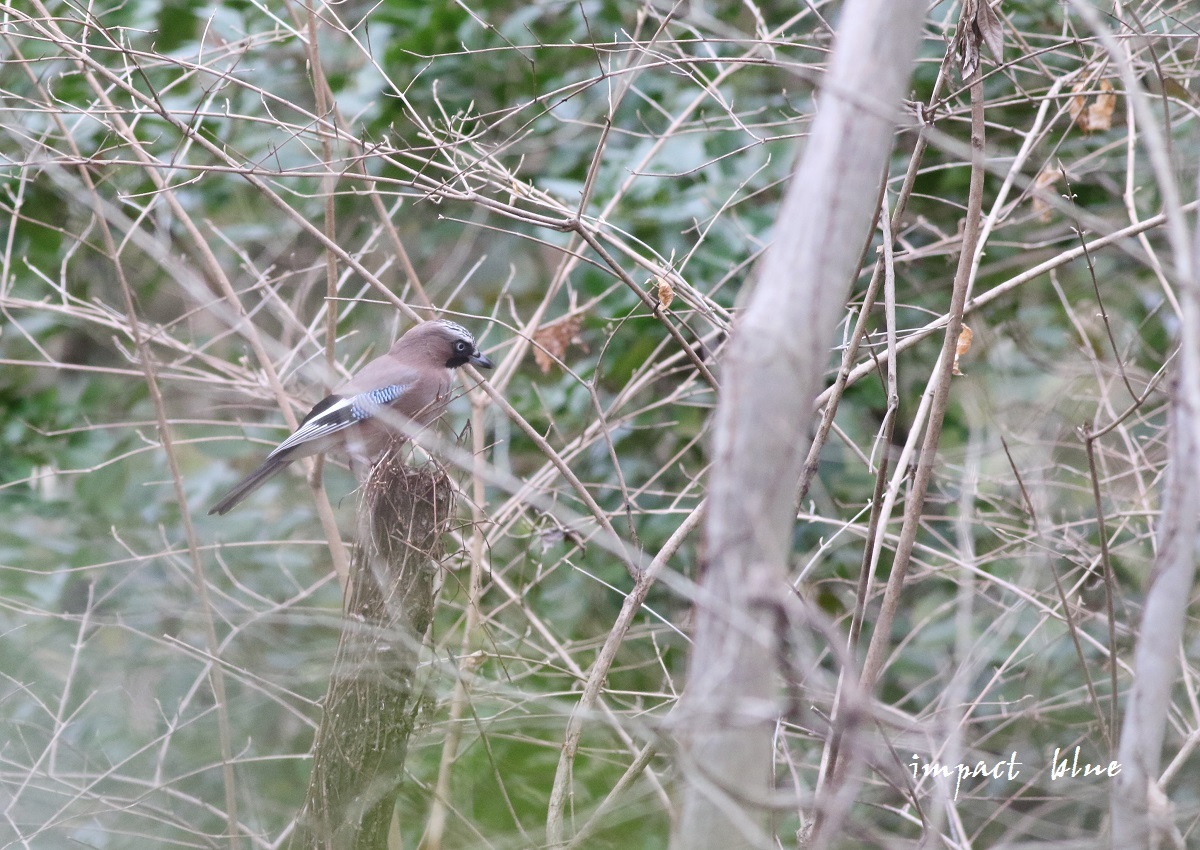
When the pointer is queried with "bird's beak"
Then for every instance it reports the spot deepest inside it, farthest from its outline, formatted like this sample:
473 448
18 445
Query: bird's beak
478 359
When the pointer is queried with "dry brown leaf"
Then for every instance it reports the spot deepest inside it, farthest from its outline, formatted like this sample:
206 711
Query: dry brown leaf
962 347
665 293
1100 113
551 341
1046 178
1094 117
1077 105
977 25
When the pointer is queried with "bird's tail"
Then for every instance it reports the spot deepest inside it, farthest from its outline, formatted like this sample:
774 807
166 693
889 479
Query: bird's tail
249 484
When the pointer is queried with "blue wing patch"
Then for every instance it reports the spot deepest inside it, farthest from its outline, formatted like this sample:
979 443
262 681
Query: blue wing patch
364 405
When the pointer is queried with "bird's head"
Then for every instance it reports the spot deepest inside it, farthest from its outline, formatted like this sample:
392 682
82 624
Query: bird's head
446 342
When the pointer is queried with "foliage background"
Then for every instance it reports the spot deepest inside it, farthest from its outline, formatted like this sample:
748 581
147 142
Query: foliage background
204 202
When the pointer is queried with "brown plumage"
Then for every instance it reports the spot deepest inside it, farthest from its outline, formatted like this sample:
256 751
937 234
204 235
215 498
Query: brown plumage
413 379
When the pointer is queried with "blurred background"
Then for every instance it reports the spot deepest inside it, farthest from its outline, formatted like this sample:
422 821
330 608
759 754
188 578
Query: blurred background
213 211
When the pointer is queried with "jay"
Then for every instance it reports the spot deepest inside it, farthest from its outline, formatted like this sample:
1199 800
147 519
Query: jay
413 379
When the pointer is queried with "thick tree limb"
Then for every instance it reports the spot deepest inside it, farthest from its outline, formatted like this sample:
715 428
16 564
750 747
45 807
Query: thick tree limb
373 700
775 362
1140 810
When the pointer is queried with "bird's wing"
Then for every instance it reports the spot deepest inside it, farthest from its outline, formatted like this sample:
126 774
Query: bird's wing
385 371
337 413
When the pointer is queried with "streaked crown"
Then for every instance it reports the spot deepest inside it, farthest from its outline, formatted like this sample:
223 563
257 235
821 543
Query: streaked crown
456 328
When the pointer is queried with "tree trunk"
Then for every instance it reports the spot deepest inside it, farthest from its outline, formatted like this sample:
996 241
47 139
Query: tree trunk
374 697
778 353
1141 812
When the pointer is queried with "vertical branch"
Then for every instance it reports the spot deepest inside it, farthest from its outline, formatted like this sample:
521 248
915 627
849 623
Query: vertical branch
940 394
215 672
440 807
324 99
1139 808
833 395
373 700
847 693
1089 443
776 358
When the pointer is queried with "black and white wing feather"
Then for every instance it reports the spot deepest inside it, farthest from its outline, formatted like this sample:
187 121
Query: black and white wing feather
332 416
317 433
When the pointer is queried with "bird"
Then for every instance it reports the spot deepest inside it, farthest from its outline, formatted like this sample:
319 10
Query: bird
413 379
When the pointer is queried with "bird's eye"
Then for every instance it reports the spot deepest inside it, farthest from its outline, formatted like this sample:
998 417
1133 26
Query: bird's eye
462 346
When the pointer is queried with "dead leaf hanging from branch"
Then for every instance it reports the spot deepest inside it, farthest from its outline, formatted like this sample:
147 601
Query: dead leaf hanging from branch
978 25
962 347
666 293
551 341
1094 117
